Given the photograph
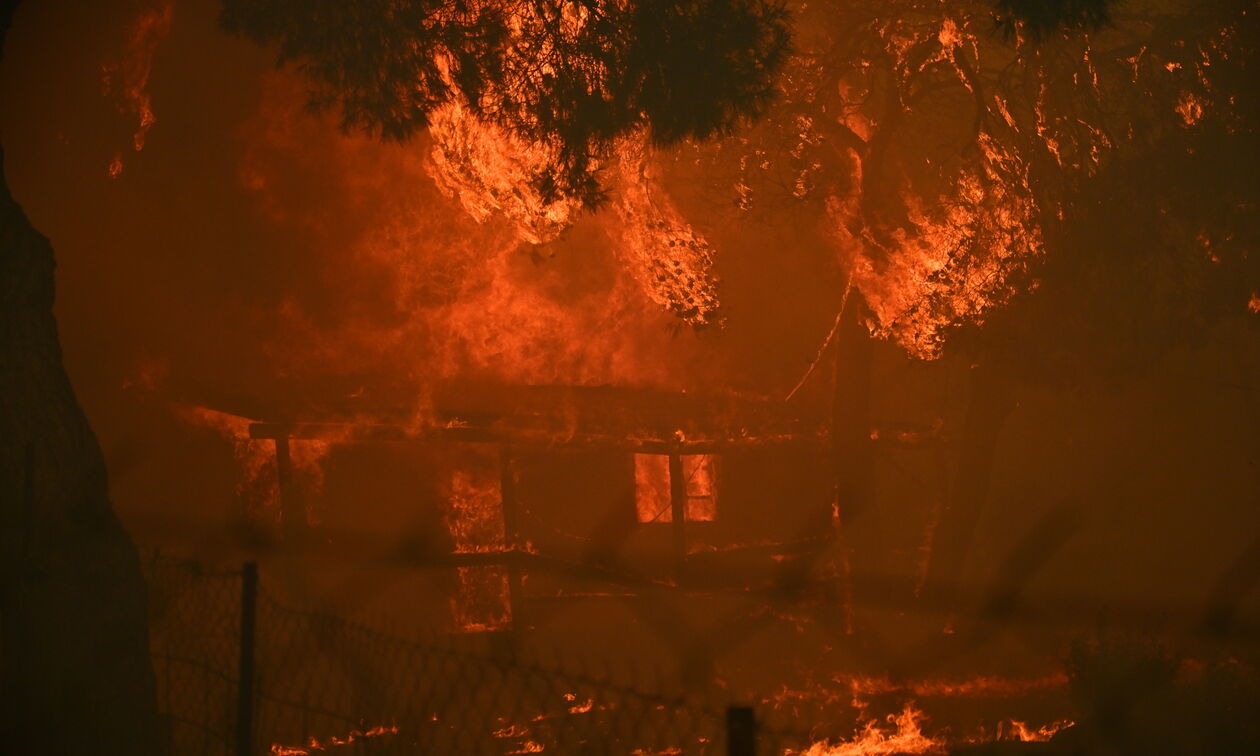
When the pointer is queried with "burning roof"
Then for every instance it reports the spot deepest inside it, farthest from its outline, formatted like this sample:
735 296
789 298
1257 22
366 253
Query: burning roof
600 416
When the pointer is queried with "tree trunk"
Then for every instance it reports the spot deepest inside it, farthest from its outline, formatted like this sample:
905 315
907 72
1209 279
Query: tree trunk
989 405
75 673
851 441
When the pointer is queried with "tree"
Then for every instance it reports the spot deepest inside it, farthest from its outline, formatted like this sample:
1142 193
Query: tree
1046 190
75 673
573 77
949 149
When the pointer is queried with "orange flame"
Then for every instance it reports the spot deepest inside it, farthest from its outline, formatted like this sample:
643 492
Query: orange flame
669 259
128 78
1016 730
314 744
474 517
258 487
493 173
458 296
904 736
949 266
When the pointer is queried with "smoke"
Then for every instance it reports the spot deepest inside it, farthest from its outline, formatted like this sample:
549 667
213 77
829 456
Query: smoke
126 80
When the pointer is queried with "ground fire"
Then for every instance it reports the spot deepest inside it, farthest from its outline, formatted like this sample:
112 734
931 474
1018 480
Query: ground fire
839 378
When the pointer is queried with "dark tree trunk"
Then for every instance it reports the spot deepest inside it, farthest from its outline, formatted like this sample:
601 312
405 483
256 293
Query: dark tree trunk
853 448
989 405
75 674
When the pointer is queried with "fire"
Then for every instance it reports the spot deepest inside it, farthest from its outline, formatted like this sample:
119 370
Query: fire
1016 730
1190 108
669 259
453 295
314 745
1253 304
493 173
128 78
904 735
258 487
953 262
474 517
579 708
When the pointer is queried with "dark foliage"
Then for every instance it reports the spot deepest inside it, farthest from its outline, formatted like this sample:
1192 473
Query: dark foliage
1156 252
1135 697
678 70
1039 18
374 60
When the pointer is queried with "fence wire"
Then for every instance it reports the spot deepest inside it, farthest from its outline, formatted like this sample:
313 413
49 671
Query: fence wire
327 684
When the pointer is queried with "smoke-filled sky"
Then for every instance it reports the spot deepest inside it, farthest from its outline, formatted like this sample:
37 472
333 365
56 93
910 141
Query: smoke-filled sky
252 259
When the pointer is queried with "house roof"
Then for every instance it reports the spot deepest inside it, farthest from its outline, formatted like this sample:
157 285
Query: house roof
570 416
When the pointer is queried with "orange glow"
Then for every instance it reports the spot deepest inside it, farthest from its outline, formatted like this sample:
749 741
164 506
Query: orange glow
492 173
653 493
903 734
1253 304
1190 108
461 296
856 689
258 488
474 517
1016 730
127 79
660 249
315 745
954 261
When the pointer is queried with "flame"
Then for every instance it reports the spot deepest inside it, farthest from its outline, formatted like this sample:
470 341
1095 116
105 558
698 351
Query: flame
1190 108
1017 730
494 173
258 487
127 79
1253 304
579 708
115 168
457 296
904 736
474 516
670 260
314 744
953 262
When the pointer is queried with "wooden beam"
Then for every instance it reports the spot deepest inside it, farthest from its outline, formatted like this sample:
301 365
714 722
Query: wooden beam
678 513
520 437
292 511
511 536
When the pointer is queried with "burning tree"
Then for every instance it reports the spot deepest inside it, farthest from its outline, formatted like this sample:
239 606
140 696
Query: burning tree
980 168
951 151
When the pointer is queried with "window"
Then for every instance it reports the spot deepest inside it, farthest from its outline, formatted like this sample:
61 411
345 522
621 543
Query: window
652 489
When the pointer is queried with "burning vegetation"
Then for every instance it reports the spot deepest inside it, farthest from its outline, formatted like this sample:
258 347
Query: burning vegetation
736 340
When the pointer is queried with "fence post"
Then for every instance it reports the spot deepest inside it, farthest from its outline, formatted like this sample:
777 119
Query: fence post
741 731
245 692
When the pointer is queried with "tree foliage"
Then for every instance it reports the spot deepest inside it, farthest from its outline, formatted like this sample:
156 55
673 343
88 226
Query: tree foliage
1039 18
574 75
1011 192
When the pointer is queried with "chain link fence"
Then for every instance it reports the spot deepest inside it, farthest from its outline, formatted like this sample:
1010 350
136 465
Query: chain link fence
241 671
326 684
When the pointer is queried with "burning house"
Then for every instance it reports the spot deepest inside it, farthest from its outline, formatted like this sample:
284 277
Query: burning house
854 360
572 493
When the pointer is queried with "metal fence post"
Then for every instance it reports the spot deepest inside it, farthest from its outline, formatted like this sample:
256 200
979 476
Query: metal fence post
245 692
741 731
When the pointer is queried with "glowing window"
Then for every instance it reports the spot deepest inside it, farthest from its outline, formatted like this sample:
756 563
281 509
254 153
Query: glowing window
651 487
